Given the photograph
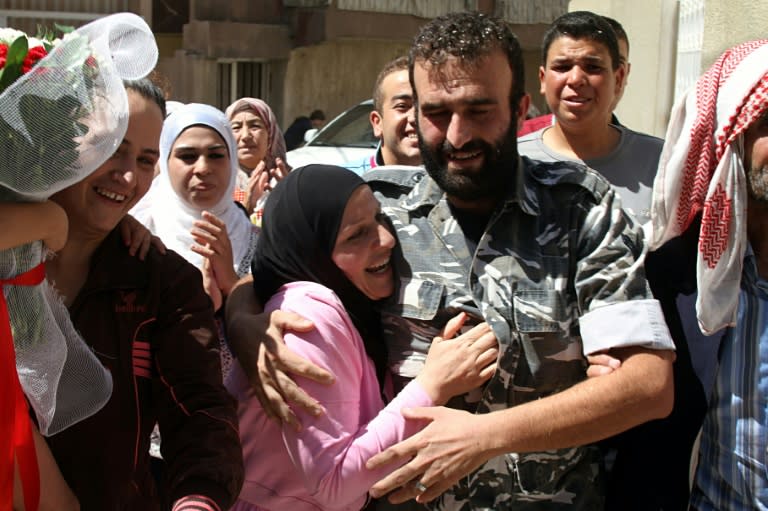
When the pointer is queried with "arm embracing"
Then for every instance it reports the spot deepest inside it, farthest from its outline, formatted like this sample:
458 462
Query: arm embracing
333 449
256 338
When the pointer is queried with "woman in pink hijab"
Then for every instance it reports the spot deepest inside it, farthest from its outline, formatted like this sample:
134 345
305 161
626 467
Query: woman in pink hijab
260 153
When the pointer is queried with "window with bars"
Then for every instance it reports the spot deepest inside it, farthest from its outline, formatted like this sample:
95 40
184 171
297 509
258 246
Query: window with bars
239 79
690 40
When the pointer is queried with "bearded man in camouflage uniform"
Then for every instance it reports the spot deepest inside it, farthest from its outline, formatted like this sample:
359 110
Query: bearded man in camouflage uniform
541 251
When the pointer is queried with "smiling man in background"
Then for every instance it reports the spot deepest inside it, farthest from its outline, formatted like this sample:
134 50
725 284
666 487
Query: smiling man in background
392 120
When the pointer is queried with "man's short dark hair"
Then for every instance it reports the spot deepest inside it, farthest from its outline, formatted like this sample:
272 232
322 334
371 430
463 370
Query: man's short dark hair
621 34
149 90
399 64
317 115
469 36
582 25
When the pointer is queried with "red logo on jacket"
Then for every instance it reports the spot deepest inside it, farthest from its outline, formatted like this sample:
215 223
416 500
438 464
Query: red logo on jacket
128 299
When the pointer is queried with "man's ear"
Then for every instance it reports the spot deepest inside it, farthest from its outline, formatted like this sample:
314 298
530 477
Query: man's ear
522 109
375 119
621 79
628 67
542 91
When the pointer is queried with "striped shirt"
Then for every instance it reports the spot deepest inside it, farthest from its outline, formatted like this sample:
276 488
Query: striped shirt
731 473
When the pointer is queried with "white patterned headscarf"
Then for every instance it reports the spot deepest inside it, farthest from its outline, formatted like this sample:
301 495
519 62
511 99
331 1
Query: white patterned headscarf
701 170
169 216
276 144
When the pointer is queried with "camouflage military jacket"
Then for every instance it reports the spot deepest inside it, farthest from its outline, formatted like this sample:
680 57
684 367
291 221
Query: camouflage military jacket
557 250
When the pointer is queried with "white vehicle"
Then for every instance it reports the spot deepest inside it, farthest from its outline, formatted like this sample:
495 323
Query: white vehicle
348 137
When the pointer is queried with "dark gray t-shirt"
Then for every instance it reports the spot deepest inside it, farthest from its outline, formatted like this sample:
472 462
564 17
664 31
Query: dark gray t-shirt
630 167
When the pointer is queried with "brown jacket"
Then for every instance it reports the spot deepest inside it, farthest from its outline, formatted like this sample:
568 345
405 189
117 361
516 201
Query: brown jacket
152 325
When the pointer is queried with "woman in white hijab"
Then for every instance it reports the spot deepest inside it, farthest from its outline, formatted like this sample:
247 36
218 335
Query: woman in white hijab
193 211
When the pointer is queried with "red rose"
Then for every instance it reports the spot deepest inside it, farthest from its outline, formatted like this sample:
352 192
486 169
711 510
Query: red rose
90 61
34 55
3 54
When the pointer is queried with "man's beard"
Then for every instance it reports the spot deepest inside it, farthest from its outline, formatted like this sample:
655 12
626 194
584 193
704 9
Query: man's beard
757 184
492 180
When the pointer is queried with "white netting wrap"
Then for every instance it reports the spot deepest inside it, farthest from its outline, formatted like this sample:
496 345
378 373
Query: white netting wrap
58 123
68 113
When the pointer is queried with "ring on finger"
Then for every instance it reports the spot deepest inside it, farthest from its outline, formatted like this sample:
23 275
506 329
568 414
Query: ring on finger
420 487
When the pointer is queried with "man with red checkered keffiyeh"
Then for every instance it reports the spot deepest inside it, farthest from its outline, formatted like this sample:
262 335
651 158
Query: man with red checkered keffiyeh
715 165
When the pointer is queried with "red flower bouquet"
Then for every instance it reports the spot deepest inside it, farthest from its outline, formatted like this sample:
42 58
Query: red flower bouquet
19 53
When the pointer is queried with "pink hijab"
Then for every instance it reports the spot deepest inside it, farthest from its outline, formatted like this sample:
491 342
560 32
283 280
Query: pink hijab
276 147
702 170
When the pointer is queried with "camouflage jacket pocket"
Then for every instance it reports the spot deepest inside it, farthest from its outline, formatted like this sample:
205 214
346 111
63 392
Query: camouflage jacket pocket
420 299
538 310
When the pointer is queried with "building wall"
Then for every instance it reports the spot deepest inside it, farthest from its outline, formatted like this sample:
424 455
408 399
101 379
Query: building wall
192 77
26 15
729 23
421 8
532 60
334 75
168 44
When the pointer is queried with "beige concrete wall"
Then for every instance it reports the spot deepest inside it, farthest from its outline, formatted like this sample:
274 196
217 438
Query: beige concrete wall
729 23
652 33
333 76
231 40
532 59
168 44
192 77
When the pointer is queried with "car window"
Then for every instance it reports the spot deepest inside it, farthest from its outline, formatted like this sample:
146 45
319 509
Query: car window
350 129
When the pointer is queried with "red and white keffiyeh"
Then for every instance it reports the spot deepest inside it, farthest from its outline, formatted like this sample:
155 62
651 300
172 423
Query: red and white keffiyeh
702 170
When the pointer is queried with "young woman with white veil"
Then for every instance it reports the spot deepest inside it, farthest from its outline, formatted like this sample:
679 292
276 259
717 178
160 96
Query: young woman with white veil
193 211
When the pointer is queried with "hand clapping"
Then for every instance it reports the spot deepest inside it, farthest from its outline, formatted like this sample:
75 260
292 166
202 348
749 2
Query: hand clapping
212 242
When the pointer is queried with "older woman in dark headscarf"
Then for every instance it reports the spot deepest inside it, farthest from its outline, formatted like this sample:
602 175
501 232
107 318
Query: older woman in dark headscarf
260 153
325 252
